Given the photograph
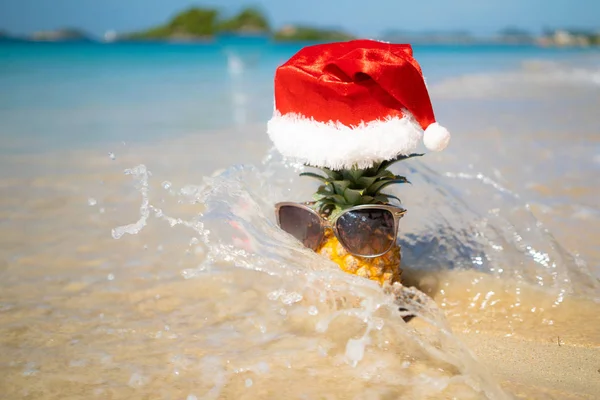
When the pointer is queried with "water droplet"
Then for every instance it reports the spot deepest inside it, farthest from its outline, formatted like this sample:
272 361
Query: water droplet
291 298
355 350
166 185
191 397
111 277
92 201
312 310
248 382
112 156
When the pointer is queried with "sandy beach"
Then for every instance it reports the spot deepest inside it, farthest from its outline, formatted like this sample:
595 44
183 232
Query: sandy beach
114 303
139 256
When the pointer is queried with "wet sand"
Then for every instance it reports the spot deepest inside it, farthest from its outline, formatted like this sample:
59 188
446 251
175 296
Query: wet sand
537 369
82 314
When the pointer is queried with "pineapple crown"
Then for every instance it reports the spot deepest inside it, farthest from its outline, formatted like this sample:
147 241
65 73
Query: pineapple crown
344 188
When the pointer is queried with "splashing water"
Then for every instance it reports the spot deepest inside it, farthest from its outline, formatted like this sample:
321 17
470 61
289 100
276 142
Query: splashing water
297 315
202 297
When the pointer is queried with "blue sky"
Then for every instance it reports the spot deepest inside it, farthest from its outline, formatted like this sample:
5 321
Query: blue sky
367 18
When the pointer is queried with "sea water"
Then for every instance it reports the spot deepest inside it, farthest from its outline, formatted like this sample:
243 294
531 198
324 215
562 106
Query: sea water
140 256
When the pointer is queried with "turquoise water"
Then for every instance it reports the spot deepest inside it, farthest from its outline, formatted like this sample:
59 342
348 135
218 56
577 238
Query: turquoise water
57 95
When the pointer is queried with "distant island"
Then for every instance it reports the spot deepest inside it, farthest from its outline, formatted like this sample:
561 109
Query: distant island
193 24
569 38
429 37
65 34
58 35
510 35
200 24
306 33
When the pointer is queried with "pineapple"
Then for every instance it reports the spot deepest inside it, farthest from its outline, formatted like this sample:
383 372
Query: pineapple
345 188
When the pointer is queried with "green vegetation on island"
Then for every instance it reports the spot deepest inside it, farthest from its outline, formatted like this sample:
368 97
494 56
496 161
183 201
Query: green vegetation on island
204 23
195 23
306 33
248 20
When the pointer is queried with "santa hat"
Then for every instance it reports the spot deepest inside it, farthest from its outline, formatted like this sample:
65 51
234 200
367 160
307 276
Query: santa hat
339 105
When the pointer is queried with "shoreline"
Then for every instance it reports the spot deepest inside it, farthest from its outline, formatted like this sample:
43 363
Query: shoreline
211 40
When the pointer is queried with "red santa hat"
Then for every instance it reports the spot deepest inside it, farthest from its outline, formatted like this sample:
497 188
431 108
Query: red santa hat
339 105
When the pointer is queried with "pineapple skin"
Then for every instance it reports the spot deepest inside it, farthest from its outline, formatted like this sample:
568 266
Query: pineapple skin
384 269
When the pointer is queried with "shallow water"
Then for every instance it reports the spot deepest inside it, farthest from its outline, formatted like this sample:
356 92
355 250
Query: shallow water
157 271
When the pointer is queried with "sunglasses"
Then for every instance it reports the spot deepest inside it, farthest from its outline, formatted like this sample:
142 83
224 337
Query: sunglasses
365 231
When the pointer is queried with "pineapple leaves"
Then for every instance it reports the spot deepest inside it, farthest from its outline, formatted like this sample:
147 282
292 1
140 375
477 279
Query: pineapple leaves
333 175
381 198
325 206
385 174
325 190
356 173
386 164
366 181
352 175
353 196
338 199
378 186
316 176
340 187
390 196
367 200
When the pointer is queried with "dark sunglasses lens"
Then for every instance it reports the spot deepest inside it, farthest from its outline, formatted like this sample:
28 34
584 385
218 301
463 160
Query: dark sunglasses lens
302 224
367 232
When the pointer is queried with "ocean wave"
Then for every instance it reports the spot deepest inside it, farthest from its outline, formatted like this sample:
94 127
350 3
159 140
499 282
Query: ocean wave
535 79
456 222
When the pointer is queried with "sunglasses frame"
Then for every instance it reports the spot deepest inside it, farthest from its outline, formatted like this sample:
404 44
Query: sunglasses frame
397 213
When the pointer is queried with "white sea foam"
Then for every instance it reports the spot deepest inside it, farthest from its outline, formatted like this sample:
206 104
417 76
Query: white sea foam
498 236
535 79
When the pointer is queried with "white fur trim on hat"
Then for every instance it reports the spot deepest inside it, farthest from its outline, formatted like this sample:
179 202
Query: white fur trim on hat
337 146
436 137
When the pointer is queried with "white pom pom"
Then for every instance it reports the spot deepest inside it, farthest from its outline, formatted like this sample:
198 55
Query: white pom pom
436 137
